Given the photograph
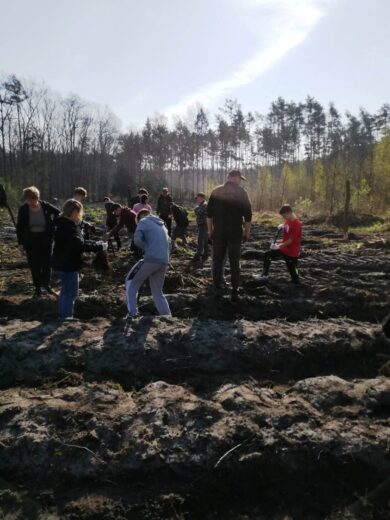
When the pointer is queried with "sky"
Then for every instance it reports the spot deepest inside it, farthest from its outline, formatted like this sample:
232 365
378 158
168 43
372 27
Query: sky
168 56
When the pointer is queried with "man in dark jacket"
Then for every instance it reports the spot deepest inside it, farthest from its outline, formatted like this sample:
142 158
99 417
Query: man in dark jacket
229 216
164 203
69 245
35 229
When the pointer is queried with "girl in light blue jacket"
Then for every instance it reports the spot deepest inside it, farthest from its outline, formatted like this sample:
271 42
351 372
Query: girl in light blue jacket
152 237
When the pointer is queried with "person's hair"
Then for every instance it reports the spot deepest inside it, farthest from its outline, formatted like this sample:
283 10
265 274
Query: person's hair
234 173
31 193
286 208
201 194
143 191
165 189
70 206
80 191
115 206
142 213
144 198
106 199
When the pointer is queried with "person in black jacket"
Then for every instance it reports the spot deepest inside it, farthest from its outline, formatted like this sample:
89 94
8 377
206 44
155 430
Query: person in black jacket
69 246
111 220
164 203
180 216
229 217
35 229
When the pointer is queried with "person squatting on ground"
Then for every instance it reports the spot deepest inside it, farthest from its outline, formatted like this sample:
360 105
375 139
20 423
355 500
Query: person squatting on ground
35 230
202 250
229 217
152 237
143 204
111 220
163 210
80 194
180 216
69 245
290 247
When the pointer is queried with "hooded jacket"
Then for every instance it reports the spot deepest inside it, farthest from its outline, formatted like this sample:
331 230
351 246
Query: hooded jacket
151 235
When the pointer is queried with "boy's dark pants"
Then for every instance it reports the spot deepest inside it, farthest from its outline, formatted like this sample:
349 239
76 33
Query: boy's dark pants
168 223
38 251
232 246
291 262
203 242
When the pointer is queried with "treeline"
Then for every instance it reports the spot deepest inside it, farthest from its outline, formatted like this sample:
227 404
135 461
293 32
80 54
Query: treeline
56 143
302 153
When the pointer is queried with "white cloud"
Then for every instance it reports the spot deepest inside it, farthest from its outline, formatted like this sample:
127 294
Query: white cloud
291 24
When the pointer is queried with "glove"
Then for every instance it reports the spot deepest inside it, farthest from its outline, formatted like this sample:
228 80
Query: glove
274 247
280 227
103 244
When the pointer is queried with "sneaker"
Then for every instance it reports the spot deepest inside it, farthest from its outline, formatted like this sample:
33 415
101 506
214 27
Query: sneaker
50 291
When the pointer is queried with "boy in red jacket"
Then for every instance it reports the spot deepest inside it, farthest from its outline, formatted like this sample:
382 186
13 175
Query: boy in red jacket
290 247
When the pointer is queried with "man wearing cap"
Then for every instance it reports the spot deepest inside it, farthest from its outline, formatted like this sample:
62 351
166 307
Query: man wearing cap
229 217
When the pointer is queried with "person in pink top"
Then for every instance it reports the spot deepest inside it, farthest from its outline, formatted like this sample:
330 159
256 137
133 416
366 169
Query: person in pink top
142 205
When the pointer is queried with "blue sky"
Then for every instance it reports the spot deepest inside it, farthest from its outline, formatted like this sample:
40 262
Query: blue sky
164 56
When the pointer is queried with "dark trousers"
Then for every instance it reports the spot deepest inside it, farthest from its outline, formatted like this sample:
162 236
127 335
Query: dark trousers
291 262
38 250
202 250
231 246
168 223
110 225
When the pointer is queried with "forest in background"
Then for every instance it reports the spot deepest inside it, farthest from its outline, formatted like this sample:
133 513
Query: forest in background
299 152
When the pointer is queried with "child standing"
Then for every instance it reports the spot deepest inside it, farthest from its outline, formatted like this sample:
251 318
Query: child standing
290 247
202 251
69 246
151 235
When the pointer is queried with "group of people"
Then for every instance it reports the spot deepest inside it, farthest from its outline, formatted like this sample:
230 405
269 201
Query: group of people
223 221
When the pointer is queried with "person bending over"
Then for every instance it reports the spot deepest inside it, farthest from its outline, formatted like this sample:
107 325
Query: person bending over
69 245
111 220
290 248
180 216
35 229
151 235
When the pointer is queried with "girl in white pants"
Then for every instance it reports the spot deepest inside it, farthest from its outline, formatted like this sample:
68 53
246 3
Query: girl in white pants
136 277
152 237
